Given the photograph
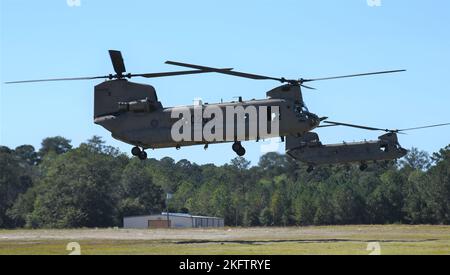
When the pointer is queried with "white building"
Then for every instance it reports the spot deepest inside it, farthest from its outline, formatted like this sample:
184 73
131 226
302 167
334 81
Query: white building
172 220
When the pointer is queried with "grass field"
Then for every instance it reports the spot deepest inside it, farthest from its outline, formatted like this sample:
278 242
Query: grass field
391 239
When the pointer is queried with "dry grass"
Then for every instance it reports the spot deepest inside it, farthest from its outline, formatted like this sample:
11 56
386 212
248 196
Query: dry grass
393 239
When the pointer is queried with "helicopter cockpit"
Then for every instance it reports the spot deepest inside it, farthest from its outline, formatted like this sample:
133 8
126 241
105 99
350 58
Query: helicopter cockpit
303 114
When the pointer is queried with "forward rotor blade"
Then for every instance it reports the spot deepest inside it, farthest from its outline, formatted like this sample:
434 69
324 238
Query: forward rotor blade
424 127
147 75
348 76
356 126
117 61
222 71
56 79
164 74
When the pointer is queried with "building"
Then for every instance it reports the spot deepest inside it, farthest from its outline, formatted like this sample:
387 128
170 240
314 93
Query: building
172 220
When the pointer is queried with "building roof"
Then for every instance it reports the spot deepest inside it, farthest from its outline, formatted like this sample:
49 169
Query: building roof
175 215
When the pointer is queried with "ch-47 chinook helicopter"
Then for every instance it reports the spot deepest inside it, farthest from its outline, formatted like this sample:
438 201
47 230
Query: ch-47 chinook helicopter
133 114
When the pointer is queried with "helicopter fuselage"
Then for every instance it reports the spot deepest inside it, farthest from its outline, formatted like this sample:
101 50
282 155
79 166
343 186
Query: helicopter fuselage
133 114
348 152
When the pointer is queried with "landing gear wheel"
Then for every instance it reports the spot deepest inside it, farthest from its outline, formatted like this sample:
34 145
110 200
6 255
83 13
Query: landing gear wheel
310 169
136 151
363 166
143 155
238 149
236 146
241 151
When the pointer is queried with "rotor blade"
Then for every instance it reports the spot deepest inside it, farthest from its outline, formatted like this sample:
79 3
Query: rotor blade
326 126
164 74
117 61
148 75
222 71
308 87
57 79
353 75
424 127
357 126
384 130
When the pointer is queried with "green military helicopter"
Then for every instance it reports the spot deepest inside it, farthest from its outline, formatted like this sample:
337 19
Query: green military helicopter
133 114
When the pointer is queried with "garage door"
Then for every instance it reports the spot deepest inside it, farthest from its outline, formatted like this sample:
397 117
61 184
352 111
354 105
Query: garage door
158 224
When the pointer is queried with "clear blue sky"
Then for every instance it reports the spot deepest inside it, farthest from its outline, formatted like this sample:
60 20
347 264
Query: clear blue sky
293 38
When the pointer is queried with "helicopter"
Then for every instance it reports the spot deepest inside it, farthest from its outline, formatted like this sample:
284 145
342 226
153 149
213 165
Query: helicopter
310 150
133 114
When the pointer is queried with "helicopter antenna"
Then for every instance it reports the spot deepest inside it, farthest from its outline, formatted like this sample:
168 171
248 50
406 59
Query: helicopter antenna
119 69
300 81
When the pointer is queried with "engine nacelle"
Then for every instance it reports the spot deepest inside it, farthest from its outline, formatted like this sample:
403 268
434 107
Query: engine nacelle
139 106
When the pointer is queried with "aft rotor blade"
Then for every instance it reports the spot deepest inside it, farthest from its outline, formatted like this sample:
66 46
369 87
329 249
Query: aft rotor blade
308 87
424 127
326 126
164 74
222 71
352 75
57 79
117 61
356 126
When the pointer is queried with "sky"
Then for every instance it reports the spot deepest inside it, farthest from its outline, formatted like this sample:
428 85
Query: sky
290 38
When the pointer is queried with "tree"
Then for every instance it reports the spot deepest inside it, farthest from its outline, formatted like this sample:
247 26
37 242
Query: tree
58 145
386 202
138 194
417 206
304 208
265 217
439 186
15 179
95 185
240 163
77 189
27 154
416 160
4 149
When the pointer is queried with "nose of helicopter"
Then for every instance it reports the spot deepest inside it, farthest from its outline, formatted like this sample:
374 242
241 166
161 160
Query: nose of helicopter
314 120
403 152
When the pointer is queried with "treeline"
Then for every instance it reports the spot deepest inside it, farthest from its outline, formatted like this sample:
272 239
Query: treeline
95 185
